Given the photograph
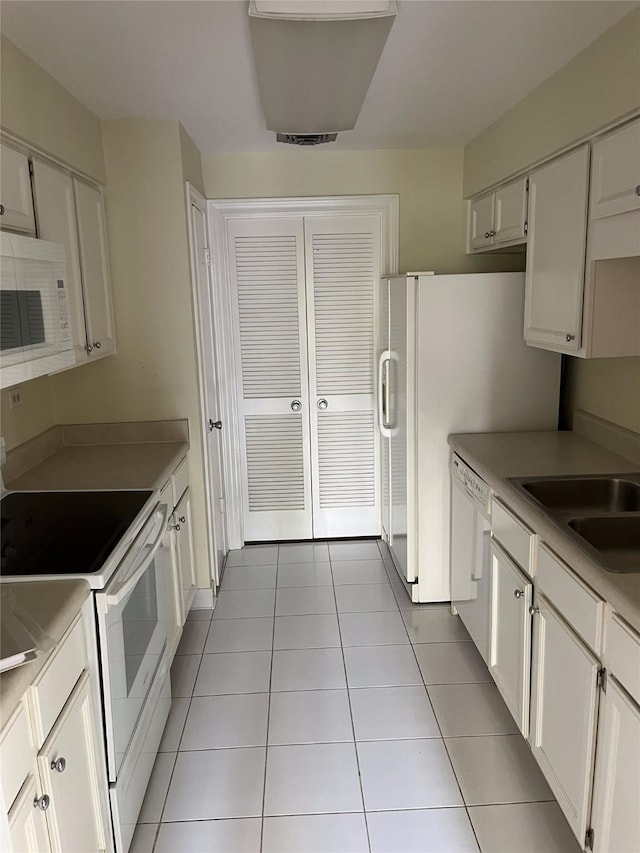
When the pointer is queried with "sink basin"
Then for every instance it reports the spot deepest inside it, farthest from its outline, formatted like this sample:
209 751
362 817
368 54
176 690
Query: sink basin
588 494
615 538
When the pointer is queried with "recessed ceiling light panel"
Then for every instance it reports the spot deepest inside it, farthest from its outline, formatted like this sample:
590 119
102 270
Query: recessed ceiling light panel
315 60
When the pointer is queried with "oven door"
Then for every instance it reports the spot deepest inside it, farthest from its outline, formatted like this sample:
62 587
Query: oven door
132 625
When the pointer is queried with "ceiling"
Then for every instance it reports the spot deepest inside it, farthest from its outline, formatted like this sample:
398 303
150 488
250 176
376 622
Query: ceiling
449 68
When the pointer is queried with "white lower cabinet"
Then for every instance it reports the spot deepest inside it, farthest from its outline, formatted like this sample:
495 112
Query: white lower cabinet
184 543
564 710
69 772
510 651
616 795
27 821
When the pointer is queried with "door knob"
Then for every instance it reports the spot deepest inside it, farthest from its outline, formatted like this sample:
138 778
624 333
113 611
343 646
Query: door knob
214 425
296 406
322 404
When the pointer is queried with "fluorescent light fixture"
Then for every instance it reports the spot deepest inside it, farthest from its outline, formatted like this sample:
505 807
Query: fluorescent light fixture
315 59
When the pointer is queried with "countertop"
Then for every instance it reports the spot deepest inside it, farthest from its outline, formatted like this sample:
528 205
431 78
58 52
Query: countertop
496 456
104 466
53 605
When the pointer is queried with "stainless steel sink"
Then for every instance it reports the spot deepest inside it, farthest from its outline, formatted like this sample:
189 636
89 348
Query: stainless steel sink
592 494
615 537
599 513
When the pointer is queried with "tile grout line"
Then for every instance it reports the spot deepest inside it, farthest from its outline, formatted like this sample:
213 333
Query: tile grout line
353 728
266 744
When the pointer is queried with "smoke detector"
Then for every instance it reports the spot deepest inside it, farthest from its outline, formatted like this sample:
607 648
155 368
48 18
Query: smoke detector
314 62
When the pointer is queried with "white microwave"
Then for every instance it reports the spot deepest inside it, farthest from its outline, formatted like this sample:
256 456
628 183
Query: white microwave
35 321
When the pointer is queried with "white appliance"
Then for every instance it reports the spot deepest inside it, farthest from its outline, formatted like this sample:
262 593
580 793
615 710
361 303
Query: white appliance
35 325
453 360
471 551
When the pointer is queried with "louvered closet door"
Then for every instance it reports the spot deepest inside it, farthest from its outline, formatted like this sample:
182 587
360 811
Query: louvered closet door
342 275
267 280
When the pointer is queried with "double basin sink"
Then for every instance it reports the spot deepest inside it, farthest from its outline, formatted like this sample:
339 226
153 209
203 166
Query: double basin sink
599 513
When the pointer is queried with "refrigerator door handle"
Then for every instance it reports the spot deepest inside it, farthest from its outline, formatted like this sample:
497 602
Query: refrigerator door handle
383 393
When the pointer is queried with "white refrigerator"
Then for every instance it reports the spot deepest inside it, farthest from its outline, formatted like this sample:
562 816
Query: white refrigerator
453 360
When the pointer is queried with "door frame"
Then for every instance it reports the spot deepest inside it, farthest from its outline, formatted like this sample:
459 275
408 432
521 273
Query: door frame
221 212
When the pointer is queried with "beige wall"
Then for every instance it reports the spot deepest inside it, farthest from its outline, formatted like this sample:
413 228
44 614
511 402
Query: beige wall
598 86
38 109
153 375
428 181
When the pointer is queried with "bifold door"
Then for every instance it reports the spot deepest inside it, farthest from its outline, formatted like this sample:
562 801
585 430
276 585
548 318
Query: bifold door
304 291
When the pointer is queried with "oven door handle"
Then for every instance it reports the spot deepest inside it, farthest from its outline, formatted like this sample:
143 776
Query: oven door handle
114 598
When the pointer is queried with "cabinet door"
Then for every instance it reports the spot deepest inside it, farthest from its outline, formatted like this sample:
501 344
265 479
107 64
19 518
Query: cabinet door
70 773
184 541
173 589
616 795
94 259
510 655
57 222
27 823
615 172
563 713
481 212
15 195
556 252
511 212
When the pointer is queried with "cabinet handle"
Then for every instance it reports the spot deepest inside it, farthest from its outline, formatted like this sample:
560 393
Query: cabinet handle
533 610
570 338
182 519
2 206
59 764
97 344
42 802
518 593
637 193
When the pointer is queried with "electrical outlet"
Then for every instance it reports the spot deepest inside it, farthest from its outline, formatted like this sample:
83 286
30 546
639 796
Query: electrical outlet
15 397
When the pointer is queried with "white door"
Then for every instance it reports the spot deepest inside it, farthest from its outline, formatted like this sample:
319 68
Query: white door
210 386
27 824
16 202
70 773
556 252
564 696
510 648
511 211
342 275
616 795
57 222
615 172
266 261
92 231
398 424
481 212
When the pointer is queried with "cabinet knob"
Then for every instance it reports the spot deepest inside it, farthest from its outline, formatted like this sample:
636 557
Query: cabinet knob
2 206
322 405
487 234
97 344
59 765
214 425
518 593
570 338
42 802
492 233
89 348
182 519
533 610
174 526
637 193
296 406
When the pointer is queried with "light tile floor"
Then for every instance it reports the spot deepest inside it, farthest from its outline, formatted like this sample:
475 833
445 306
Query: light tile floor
319 710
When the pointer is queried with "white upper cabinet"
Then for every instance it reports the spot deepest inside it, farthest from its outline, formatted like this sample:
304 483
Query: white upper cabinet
615 172
499 218
94 259
481 222
57 222
556 252
16 201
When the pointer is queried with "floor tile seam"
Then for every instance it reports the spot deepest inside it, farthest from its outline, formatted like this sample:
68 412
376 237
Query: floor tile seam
266 754
353 728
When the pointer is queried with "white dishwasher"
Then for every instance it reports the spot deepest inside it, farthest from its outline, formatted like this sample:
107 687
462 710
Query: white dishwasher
471 551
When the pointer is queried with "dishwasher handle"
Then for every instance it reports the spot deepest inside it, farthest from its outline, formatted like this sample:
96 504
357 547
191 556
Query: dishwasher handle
161 514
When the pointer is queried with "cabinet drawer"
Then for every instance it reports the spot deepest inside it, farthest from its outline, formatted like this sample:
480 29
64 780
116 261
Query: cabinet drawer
623 655
514 536
577 603
16 755
56 680
180 481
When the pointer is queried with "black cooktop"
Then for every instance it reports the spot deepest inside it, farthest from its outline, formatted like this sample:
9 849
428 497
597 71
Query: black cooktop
64 533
